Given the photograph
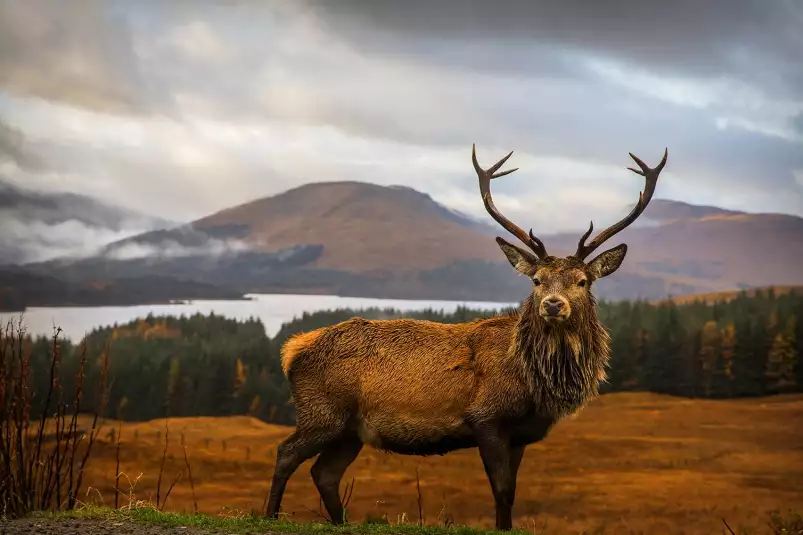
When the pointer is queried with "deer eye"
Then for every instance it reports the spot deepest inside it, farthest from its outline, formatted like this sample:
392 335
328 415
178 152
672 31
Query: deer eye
582 283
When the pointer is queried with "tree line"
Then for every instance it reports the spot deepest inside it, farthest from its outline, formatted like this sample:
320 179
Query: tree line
214 366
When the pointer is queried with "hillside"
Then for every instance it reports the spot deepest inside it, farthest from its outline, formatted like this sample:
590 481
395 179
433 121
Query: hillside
362 227
700 249
365 227
733 250
359 239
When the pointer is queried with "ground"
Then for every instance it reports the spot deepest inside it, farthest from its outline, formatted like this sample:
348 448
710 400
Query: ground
628 463
92 520
89 527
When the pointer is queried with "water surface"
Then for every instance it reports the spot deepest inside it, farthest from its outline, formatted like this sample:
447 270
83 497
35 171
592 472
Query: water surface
273 310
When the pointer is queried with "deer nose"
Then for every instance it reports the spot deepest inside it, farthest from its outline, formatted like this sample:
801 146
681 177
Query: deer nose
553 306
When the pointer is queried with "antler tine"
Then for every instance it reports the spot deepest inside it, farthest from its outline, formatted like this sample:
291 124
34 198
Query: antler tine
651 176
485 176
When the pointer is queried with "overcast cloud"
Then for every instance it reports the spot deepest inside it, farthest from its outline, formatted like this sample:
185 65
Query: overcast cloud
179 109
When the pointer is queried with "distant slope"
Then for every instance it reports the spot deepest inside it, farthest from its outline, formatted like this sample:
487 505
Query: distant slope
664 210
698 249
733 250
358 239
38 225
362 227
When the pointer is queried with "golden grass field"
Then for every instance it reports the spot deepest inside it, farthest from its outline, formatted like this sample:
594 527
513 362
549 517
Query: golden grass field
628 463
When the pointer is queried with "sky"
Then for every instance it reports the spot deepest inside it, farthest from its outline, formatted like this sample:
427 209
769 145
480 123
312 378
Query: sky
179 109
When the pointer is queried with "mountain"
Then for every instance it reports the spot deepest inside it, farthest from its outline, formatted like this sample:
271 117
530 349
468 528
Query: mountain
346 237
664 211
358 239
362 227
724 251
40 225
698 249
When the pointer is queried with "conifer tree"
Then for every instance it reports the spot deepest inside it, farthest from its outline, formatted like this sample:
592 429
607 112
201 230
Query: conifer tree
710 353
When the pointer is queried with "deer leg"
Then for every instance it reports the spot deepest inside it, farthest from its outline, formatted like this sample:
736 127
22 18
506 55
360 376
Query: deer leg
516 454
293 451
328 470
498 459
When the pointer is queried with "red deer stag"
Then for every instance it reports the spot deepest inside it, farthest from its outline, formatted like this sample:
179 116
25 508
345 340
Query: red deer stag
423 388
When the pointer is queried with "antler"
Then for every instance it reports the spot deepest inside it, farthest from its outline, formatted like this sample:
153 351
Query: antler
651 176
485 176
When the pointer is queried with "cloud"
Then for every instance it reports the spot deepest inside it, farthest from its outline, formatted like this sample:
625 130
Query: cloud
798 174
76 52
42 225
221 164
197 41
797 123
210 249
14 150
720 38
24 240
181 111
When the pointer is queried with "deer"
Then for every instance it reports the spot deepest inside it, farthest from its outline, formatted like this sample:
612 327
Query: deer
417 387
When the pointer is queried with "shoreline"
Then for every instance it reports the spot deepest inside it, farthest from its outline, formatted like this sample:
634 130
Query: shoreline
273 310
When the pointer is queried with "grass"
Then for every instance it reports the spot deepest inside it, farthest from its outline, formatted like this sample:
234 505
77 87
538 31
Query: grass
249 523
629 463
776 523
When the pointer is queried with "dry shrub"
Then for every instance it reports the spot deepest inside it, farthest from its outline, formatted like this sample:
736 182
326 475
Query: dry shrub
42 461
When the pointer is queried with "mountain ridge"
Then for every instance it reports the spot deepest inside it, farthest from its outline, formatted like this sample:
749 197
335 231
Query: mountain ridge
345 216
361 239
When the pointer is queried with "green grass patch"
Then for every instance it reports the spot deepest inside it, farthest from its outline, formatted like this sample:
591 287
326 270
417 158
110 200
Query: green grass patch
256 524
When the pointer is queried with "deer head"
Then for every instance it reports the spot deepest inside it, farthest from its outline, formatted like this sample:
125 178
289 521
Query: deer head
562 286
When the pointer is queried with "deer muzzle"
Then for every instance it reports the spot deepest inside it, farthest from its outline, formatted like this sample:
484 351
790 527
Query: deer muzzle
555 308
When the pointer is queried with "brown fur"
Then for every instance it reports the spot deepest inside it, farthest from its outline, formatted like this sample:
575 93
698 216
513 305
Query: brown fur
423 388
293 345
410 385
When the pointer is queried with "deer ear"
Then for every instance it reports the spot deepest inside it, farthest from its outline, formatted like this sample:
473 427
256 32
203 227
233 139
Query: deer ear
607 262
522 261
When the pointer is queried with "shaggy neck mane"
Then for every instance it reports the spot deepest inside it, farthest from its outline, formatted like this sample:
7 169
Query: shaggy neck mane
563 365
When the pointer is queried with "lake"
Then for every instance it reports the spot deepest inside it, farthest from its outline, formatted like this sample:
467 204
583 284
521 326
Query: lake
273 310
